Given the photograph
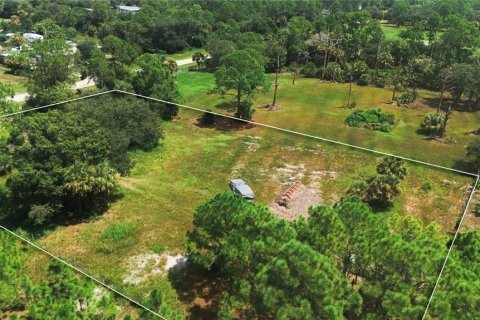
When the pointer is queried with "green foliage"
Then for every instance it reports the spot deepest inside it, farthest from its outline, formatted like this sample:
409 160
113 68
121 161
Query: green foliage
270 269
476 209
155 79
432 124
240 72
49 29
245 110
364 79
405 98
208 118
50 78
117 231
40 213
381 189
45 148
156 302
374 119
129 123
310 70
261 255
115 236
58 292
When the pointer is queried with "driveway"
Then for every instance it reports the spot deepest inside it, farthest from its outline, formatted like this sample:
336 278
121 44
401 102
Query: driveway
87 82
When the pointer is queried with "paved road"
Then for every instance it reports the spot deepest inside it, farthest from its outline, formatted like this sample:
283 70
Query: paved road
182 62
88 82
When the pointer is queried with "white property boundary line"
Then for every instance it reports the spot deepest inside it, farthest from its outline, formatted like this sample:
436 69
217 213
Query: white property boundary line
451 247
81 272
257 124
301 134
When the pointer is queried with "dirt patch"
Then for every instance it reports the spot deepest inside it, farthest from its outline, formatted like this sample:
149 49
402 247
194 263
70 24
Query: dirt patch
294 202
143 266
252 142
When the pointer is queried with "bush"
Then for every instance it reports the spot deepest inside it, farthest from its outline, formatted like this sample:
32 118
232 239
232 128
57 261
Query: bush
405 99
476 210
245 110
208 118
427 186
364 80
39 214
432 124
333 71
374 119
309 70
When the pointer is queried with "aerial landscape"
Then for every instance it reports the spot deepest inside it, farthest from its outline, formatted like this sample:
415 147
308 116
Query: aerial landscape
220 159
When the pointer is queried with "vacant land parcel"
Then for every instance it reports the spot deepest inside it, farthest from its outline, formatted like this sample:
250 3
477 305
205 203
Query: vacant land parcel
138 242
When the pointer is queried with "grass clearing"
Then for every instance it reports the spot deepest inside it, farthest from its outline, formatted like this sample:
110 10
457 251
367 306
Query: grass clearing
314 107
193 163
17 82
186 54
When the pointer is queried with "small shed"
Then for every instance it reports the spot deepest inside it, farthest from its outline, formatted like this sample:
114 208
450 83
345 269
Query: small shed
294 202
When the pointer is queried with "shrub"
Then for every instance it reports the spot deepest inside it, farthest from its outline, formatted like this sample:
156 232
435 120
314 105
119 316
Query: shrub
309 70
427 186
39 214
405 99
245 110
476 210
333 71
364 80
208 118
374 119
432 124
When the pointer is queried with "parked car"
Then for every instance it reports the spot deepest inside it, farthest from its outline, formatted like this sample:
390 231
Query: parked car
241 188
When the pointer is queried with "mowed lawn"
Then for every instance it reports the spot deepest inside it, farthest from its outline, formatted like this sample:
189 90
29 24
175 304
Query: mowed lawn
193 163
315 107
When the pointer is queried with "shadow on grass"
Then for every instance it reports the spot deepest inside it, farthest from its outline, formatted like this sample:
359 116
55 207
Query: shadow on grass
199 289
460 106
17 219
465 165
224 124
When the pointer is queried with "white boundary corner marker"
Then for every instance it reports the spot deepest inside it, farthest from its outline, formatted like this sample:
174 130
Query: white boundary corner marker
451 247
82 272
302 134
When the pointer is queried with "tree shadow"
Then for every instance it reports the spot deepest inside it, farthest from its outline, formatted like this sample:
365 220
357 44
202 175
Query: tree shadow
465 165
17 218
221 123
459 106
201 290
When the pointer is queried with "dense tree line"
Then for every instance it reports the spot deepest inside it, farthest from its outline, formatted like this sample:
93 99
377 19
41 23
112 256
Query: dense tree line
65 163
342 262
61 293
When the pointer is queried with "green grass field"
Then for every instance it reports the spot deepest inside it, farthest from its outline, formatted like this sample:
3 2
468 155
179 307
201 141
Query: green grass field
314 107
17 82
393 32
193 163
185 54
